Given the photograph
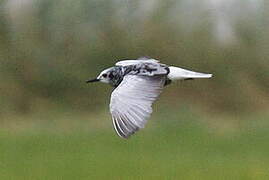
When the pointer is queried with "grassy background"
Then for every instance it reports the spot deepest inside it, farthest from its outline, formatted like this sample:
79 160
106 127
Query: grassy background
190 147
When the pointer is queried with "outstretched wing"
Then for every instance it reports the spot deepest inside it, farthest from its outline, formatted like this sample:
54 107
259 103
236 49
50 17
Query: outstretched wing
131 102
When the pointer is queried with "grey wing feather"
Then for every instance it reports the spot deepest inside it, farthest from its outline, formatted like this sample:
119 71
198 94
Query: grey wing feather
151 69
144 67
131 102
134 62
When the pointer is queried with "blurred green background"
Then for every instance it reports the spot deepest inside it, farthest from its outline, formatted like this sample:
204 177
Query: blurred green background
54 126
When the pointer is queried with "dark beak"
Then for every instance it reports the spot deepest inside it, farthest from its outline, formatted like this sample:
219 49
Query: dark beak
92 80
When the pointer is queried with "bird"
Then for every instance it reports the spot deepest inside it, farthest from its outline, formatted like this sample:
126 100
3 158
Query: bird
137 84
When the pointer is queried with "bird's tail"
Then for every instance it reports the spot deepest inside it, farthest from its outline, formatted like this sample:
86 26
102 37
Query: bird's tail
177 73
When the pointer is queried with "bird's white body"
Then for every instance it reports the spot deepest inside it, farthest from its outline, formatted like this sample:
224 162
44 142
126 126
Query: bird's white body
138 83
175 73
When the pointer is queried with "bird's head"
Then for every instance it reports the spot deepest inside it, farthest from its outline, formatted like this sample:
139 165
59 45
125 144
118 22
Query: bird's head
104 76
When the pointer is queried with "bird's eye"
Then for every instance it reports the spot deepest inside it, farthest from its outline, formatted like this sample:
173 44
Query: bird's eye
111 76
104 75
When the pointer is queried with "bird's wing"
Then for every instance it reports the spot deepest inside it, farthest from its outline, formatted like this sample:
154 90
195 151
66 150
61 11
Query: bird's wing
131 102
138 61
144 67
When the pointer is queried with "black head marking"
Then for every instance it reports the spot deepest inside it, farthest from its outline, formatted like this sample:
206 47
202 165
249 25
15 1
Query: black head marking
111 75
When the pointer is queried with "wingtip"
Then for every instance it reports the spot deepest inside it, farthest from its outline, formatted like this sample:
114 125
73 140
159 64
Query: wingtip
119 131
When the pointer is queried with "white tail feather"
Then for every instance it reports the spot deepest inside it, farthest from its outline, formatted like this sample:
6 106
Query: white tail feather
177 73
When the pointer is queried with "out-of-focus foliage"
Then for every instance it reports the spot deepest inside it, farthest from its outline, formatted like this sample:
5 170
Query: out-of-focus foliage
49 48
